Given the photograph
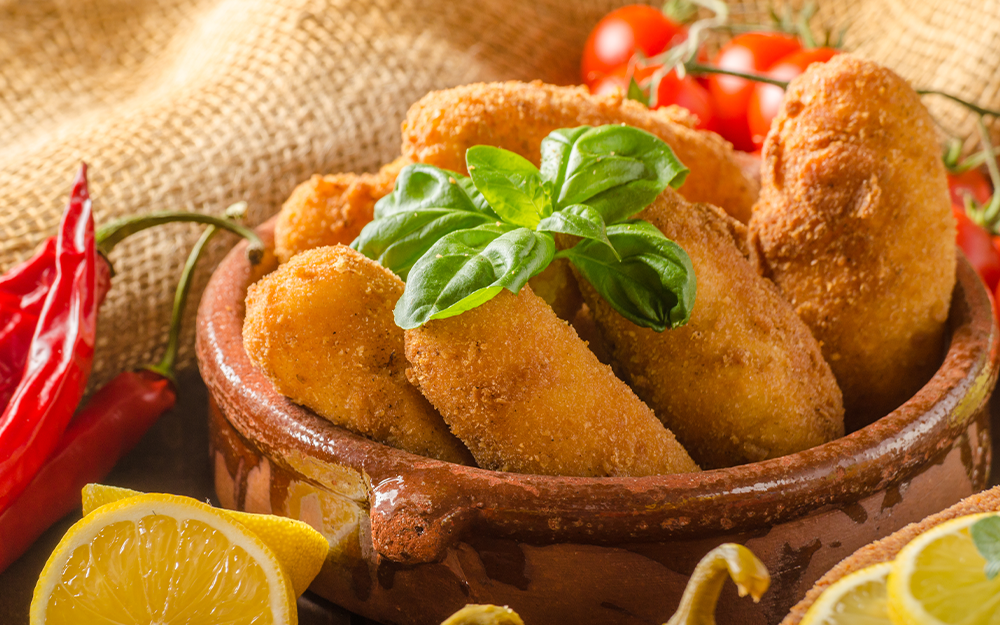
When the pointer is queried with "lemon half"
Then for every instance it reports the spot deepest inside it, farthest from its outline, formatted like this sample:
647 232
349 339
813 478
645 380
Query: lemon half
300 549
940 577
855 599
162 559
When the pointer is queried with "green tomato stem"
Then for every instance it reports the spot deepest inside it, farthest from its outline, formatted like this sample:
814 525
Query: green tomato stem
693 67
992 210
965 103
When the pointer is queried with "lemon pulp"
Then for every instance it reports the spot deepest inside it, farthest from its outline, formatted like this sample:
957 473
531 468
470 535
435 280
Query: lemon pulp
940 578
157 560
856 599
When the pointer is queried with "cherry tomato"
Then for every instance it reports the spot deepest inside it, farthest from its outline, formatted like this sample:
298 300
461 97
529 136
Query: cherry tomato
972 182
978 247
688 94
765 101
749 52
607 85
621 33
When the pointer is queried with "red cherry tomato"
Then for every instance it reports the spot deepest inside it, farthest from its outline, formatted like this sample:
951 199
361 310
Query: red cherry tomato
749 52
688 94
972 182
978 247
765 101
621 33
607 85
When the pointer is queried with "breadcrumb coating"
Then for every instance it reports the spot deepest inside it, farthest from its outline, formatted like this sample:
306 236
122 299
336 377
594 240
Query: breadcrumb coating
321 328
516 116
524 393
744 380
854 225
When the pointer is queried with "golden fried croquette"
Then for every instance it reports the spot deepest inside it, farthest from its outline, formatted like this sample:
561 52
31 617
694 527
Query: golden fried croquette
556 284
321 328
524 393
744 380
854 225
331 210
516 116
586 328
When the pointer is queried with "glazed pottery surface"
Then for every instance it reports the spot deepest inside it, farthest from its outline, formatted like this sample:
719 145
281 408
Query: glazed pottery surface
413 539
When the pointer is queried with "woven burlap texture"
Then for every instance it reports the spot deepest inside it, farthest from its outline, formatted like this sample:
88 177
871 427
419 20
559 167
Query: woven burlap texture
194 104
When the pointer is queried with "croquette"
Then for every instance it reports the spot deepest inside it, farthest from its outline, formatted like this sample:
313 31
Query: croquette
744 380
524 393
321 328
854 225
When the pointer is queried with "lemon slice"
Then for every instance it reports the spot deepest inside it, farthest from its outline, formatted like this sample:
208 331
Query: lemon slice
939 577
855 599
162 559
299 548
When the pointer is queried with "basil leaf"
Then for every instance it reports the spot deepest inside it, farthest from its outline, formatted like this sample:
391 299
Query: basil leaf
636 93
985 535
617 170
579 220
556 149
466 268
398 240
510 183
653 285
420 186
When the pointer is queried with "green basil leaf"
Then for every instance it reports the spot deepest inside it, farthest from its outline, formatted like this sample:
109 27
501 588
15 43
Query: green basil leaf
556 149
636 93
654 283
510 183
466 268
578 220
420 186
399 239
617 170
985 535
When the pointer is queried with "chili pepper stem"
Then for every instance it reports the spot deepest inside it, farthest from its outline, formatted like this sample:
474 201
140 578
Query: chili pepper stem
110 235
166 366
693 67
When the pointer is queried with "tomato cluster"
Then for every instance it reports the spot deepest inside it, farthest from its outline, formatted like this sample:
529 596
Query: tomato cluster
982 249
623 43
738 109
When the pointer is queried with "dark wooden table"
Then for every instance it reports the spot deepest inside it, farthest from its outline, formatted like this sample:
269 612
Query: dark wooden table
173 458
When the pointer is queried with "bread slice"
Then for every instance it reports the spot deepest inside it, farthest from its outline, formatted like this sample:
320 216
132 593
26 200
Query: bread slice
886 549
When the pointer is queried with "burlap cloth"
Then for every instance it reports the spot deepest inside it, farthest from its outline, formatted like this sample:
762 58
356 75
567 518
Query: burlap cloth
194 104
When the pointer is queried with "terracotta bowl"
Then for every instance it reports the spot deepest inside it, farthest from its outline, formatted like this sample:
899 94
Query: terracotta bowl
413 539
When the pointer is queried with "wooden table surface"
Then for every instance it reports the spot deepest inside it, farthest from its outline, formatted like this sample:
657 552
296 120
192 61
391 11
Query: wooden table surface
173 458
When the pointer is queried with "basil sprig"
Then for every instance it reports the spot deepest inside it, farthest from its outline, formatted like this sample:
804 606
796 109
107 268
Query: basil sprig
985 534
457 241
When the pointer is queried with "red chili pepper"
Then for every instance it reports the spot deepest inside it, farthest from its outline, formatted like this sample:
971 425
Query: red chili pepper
61 352
22 294
109 426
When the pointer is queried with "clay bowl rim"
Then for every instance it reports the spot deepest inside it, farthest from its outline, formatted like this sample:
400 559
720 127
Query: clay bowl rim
408 491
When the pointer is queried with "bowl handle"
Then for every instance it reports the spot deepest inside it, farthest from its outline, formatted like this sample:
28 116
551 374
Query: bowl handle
417 517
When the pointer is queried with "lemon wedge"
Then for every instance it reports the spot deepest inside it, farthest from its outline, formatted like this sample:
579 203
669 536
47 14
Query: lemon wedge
487 614
940 577
855 599
299 548
154 558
